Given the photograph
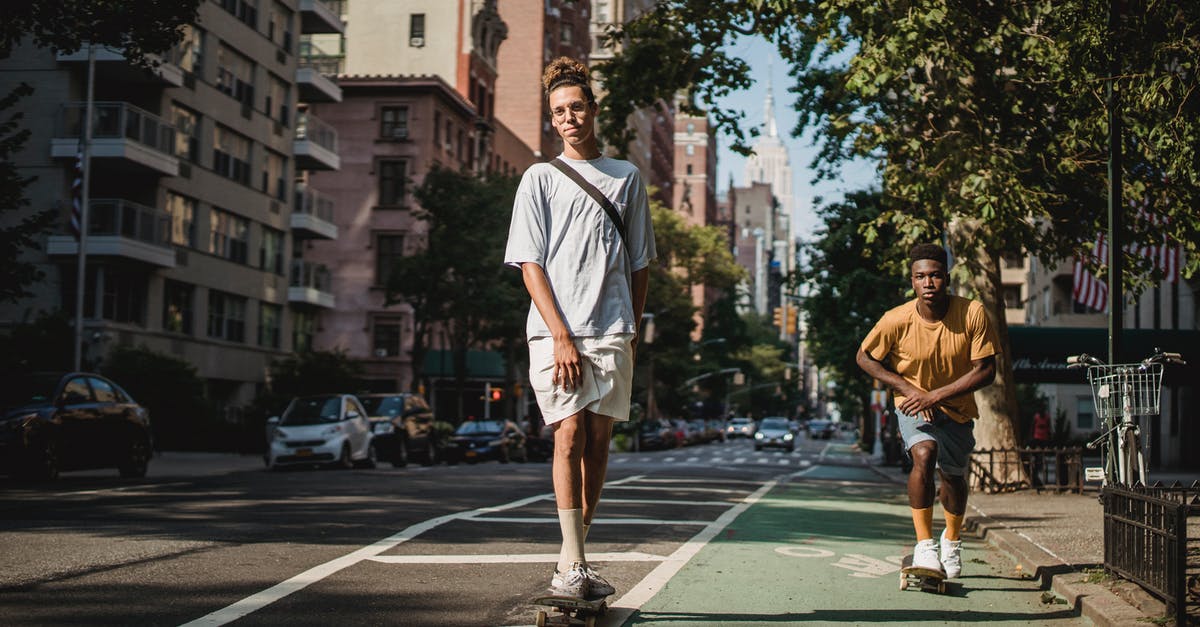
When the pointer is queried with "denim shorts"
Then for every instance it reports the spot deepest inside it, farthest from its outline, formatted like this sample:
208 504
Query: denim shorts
955 440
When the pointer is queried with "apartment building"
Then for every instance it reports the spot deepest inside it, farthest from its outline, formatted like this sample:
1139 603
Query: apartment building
755 210
695 189
538 32
195 216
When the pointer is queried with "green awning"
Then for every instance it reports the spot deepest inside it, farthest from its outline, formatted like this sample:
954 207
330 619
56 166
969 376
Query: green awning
439 364
1039 353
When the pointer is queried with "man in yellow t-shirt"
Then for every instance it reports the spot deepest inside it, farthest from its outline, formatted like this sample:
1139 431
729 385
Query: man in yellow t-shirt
934 352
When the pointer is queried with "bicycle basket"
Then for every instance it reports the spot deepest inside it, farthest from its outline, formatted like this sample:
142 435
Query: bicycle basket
1112 383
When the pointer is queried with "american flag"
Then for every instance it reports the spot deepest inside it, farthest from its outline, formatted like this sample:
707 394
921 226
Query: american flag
77 195
1089 290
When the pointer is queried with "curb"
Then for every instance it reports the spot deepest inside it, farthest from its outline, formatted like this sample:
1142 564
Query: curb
1093 601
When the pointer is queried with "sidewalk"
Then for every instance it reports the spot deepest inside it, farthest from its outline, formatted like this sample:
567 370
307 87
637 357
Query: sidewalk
1059 540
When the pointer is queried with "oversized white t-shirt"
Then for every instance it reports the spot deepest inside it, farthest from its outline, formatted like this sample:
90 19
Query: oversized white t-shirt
556 225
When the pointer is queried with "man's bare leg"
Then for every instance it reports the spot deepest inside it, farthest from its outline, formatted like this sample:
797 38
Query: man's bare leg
920 488
595 461
567 474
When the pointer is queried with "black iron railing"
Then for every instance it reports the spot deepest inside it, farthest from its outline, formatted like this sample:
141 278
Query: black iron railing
1146 540
1008 470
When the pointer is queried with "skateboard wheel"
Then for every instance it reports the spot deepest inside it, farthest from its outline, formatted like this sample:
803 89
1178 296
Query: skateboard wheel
942 587
540 621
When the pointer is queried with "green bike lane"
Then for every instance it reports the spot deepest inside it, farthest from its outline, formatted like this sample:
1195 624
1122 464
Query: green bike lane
824 547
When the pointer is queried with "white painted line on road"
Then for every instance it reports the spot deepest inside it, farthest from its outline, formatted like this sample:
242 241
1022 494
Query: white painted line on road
677 481
739 460
681 488
128 488
804 463
669 459
513 558
785 462
667 502
645 590
280 590
692 460
596 521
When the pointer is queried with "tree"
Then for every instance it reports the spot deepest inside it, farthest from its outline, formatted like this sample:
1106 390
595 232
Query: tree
993 130
173 394
136 27
455 279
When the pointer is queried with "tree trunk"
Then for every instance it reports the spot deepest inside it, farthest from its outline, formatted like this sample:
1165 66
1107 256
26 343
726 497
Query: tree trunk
417 357
996 427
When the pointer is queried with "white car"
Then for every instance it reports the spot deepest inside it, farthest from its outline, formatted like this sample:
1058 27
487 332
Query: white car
740 427
325 429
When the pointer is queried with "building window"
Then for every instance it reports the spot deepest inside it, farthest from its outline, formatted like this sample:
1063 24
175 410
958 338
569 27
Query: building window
231 155
304 329
393 123
449 137
437 128
690 149
1013 261
189 52
183 219
1012 296
270 253
386 336
235 75
566 34
269 317
388 250
226 316
392 173
244 10
177 307
123 298
279 29
229 237
279 104
274 175
1085 413
416 30
187 135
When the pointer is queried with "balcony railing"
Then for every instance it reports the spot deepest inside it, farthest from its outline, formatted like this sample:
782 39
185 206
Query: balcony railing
118 120
309 275
310 201
310 128
122 218
312 56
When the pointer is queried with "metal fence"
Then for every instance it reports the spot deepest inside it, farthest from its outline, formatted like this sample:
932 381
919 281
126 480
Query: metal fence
1152 537
1057 469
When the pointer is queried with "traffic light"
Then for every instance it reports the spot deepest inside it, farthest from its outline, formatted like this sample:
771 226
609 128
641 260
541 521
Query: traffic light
779 318
793 320
496 394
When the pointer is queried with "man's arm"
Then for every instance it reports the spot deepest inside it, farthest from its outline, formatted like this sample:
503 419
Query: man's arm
640 282
566 357
983 372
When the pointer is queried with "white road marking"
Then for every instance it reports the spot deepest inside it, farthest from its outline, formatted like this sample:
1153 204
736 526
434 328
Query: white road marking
280 590
739 460
513 558
597 521
692 460
667 502
785 462
129 488
680 488
804 463
669 459
676 481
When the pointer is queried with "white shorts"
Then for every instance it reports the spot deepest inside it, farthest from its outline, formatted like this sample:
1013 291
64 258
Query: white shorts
606 377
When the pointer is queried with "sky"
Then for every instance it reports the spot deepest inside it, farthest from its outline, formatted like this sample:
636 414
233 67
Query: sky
857 175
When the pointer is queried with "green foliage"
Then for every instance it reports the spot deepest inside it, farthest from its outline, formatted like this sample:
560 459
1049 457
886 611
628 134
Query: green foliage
136 27
170 389
20 234
999 120
315 372
849 285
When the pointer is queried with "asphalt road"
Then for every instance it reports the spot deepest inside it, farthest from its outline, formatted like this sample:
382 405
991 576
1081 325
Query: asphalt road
209 540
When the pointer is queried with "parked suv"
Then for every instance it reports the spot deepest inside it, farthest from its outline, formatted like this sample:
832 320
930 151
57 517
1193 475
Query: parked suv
73 421
404 428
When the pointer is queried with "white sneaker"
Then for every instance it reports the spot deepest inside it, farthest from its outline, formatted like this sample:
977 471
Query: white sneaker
951 556
573 583
599 585
925 555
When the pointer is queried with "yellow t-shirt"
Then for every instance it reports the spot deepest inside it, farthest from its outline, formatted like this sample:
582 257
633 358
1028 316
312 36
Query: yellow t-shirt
933 354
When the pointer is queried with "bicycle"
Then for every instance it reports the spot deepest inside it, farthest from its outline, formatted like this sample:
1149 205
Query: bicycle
1120 393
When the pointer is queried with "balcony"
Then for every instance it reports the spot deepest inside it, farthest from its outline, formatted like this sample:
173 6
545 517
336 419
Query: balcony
313 75
124 137
315 147
312 217
111 67
123 229
321 17
310 285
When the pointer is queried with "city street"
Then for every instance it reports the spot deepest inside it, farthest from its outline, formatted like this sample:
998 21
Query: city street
704 535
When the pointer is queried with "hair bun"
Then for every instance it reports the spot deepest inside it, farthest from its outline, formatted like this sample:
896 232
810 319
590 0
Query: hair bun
565 71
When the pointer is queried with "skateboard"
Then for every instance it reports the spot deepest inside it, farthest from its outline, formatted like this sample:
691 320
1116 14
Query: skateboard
570 610
928 579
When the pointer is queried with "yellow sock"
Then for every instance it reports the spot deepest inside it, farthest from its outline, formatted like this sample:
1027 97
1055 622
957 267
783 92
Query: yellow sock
923 523
954 525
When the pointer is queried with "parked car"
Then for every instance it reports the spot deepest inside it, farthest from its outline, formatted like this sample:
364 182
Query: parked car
480 440
718 429
322 429
656 434
71 421
740 427
404 428
820 429
774 432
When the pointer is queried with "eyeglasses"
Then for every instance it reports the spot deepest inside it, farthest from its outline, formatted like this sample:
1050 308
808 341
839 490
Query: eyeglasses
578 108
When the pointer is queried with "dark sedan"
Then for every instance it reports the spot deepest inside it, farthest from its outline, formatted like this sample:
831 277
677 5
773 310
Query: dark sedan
481 440
73 421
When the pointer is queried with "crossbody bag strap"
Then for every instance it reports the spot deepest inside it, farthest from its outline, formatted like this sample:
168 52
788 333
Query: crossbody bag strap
596 194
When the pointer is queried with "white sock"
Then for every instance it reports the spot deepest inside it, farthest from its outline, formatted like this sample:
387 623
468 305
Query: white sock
586 528
571 523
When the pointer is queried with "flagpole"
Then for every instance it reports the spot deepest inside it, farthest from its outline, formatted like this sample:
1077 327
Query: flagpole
1116 246
84 199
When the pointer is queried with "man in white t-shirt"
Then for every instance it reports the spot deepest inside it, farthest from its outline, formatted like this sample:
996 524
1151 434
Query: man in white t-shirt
588 287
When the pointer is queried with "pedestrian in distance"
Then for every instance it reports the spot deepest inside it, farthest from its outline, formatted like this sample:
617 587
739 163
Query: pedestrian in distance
1041 437
582 238
934 352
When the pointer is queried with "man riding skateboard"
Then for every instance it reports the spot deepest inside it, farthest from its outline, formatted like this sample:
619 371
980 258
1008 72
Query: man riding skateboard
934 352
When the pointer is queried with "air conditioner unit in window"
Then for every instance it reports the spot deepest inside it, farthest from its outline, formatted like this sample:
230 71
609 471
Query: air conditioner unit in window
400 132
416 42
381 352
